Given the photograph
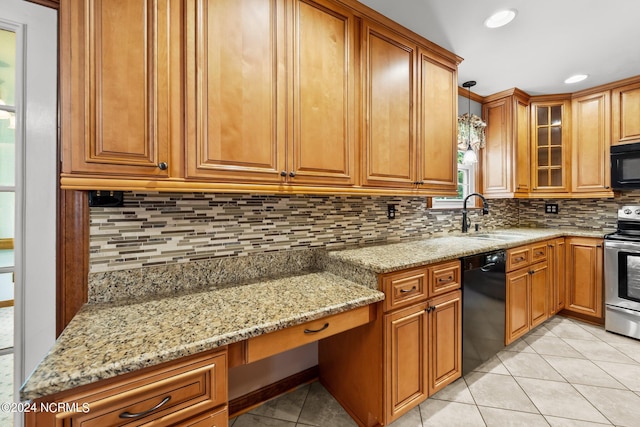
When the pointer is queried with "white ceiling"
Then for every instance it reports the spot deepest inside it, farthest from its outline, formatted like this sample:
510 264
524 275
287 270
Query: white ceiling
548 41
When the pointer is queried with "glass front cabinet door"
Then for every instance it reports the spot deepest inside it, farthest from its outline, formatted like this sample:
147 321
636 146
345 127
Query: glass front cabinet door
550 137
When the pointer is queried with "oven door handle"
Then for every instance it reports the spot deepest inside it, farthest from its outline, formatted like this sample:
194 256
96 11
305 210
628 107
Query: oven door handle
630 246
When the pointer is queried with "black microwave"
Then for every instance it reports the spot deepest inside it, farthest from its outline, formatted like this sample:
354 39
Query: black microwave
625 166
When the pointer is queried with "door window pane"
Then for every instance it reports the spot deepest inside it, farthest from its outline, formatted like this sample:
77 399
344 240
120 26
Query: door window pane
8 67
7 149
7 213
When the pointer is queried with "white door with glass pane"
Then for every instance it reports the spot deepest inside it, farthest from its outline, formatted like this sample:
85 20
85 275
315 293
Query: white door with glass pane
28 175
7 180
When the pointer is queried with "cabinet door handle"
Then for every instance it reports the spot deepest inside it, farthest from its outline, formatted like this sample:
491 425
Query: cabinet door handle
314 331
598 246
283 173
163 166
127 414
531 271
292 174
404 291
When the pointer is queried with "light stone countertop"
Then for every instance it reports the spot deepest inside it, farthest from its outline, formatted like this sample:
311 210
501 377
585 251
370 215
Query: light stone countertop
386 258
103 341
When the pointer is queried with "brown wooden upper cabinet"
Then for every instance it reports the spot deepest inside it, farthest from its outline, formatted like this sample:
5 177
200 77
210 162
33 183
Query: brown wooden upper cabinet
410 108
550 139
506 160
626 114
253 96
117 69
390 117
591 141
244 125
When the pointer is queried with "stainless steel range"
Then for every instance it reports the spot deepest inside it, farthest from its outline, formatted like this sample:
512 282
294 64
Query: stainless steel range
622 274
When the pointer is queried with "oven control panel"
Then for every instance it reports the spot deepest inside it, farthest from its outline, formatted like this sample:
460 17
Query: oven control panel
629 213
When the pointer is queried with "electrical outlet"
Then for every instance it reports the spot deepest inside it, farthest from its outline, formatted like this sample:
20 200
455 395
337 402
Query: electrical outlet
391 211
551 208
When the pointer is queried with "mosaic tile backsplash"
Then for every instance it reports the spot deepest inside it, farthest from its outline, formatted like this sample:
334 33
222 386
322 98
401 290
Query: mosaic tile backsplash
165 228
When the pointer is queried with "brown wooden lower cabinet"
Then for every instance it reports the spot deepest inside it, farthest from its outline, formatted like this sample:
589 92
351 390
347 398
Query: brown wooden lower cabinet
557 272
584 286
188 392
380 371
527 290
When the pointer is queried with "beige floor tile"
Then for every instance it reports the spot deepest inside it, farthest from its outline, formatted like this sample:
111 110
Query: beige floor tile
494 417
410 419
529 365
286 407
251 420
439 413
630 347
629 375
498 391
520 346
493 366
605 336
565 422
582 371
455 392
559 399
551 345
598 350
540 331
570 330
321 409
621 407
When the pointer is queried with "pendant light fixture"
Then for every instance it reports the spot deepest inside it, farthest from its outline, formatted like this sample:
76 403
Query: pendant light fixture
470 156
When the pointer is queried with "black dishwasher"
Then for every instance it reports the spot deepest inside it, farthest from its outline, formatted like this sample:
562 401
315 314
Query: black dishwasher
483 308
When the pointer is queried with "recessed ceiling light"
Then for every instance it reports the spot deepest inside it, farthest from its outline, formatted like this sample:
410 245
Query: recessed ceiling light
500 18
577 78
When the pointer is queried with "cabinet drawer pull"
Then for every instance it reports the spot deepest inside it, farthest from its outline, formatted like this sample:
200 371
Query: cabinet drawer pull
540 253
163 166
313 331
128 414
446 279
519 259
404 291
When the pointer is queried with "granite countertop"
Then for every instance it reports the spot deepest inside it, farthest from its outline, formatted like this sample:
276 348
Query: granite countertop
398 256
105 340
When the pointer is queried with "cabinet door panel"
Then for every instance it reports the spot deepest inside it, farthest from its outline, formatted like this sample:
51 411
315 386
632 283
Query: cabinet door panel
591 141
324 91
584 276
438 125
538 293
517 310
406 364
236 103
496 165
625 103
445 341
389 93
523 146
116 102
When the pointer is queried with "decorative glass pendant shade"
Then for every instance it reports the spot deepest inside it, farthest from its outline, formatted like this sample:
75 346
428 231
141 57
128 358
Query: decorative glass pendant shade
470 156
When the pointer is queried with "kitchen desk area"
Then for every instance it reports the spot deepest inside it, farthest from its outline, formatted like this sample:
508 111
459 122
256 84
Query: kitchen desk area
105 342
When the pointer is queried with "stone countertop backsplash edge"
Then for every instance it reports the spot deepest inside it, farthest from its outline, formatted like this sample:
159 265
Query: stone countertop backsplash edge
363 264
105 340
218 305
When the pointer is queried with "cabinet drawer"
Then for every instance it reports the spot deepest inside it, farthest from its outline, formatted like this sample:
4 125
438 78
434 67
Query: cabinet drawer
518 257
192 390
405 288
276 342
539 251
443 278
